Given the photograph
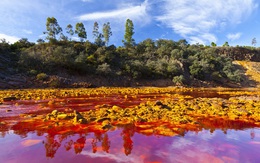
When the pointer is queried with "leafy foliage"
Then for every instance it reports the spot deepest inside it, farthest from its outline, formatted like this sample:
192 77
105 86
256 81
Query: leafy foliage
107 33
81 31
53 29
42 76
69 30
149 59
129 32
97 35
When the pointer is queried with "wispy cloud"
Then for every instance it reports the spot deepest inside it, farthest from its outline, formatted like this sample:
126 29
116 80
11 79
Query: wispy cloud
234 36
10 39
137 13
19 16
27 31
199 20
118 157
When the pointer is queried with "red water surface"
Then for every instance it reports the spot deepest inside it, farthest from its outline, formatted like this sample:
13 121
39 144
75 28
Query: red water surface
126 145
216 140
18 107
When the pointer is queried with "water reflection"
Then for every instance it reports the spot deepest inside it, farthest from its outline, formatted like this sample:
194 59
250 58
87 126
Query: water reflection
53 142
80 137
212 124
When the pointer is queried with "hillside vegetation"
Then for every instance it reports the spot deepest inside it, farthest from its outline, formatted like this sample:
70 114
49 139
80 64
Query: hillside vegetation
67 63
178 63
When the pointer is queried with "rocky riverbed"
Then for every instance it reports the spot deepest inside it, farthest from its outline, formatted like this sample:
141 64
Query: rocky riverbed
177 110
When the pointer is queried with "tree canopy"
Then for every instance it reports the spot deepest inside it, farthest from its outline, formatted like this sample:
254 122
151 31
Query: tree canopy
97 35
53 28
107 32
81 31
148 59
129 32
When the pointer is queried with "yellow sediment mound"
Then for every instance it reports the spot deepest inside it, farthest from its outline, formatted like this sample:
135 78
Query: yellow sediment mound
252 70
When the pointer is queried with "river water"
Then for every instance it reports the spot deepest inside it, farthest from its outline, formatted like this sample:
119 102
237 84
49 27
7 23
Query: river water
125 145
22 142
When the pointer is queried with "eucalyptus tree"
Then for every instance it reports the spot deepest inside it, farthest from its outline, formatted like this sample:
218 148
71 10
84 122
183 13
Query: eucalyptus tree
97 35
254 41
53 29
129 32
107 33
81 31
69 30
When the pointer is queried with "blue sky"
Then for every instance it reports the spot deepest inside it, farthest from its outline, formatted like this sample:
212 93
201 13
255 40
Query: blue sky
197 21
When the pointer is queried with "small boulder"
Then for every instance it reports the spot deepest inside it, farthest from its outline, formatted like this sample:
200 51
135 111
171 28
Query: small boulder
166 107
158 103
104 119
116 108
12 98
77 115
106 125
190 109
54 113
62 116
78 118
82 121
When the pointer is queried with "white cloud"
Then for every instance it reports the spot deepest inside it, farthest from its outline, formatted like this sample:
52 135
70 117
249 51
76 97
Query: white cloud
195 40
203 38
125 11
234 36
131 9
198 20
181 143
118 157
27 31
75 38
10 39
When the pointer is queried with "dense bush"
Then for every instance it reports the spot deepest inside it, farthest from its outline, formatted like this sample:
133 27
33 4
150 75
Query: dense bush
104 69
149 59
178 80
42 76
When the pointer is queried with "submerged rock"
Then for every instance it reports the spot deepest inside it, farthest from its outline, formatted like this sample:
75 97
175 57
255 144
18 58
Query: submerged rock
104 119
12 98
78 118
106 125
170 110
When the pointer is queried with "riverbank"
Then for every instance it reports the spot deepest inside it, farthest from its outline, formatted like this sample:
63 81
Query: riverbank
250 78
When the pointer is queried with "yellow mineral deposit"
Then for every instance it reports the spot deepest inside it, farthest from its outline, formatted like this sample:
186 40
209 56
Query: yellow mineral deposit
163 117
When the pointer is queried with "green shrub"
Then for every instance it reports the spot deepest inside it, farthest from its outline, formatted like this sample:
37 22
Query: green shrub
32 72
236 76
216 76
55 83
104 69
42 76
178 80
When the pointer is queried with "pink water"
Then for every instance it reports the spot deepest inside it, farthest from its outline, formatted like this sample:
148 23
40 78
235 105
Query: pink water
216 140
125 145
